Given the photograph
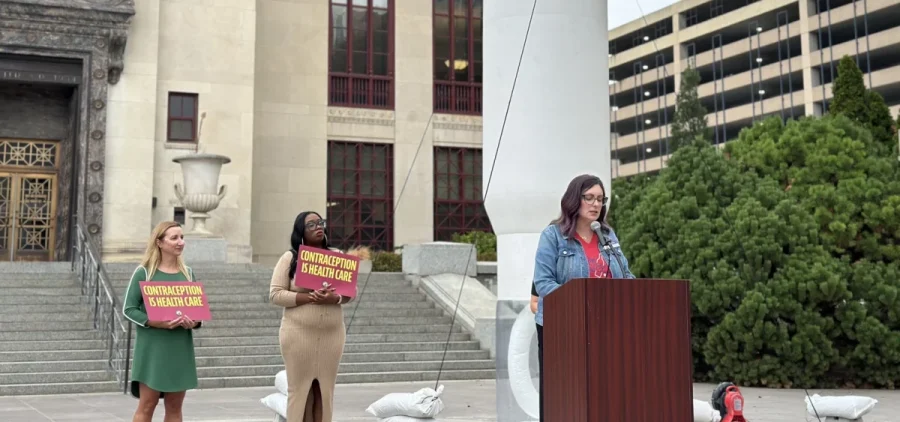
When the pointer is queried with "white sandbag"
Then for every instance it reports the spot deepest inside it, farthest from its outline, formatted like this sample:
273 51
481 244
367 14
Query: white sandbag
404 419
425 403
704 412
281 382
277 402
847 407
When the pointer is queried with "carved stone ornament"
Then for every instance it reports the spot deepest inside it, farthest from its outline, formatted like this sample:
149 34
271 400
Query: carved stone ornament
360 116
71 24
199 194
458 122
92 33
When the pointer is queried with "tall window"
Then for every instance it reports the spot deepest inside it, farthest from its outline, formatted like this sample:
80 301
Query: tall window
182 120
361 63
360 195
457 56
458 205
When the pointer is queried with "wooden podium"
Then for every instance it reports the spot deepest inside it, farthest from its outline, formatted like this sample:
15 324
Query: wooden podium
618 350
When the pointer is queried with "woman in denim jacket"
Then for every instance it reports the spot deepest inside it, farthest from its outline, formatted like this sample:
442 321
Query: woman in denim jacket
569 248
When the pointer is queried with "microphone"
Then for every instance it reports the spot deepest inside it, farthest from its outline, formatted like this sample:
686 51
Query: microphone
597 228
607 244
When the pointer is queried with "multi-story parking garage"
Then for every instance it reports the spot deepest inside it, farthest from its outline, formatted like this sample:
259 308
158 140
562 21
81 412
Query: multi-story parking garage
755 59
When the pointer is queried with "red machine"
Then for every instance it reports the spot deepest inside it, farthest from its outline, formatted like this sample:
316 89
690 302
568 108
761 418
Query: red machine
728 400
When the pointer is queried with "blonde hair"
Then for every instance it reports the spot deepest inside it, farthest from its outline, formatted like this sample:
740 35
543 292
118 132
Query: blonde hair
152 256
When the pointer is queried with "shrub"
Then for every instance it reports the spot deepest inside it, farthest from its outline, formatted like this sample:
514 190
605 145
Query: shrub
387 262
364 253
485 243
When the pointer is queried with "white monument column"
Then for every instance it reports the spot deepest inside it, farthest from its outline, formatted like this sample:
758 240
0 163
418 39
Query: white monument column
557 127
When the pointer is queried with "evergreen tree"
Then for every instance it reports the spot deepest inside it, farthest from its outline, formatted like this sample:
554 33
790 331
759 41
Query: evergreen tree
689 122
626 194
848 91
791 240
677 230
866 107
830 313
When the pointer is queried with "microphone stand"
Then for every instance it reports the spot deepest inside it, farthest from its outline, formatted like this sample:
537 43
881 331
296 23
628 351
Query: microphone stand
607 245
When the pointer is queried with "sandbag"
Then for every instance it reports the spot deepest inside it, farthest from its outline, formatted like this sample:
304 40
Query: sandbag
281 384
847 407
423 404
277 402
404 419
704 412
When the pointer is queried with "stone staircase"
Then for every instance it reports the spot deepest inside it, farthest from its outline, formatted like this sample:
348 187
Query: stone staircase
48 345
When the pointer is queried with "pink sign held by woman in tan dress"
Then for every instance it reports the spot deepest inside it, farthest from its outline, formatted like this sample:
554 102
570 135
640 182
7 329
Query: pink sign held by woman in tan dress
321 268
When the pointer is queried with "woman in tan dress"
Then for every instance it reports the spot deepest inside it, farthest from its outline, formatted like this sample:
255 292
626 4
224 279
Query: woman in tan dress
312 331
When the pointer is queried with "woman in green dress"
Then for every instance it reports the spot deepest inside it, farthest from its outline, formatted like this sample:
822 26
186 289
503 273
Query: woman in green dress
164 364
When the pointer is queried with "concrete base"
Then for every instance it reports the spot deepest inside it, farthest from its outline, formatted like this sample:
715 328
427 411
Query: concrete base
205 249
365 266
435 258
477 305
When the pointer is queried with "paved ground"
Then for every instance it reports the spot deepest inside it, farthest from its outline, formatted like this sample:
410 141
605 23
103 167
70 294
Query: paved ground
471 401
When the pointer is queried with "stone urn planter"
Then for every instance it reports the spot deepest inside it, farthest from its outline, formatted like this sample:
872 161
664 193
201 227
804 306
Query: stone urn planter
201 192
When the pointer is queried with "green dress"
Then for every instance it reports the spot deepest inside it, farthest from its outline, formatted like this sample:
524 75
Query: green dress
163 359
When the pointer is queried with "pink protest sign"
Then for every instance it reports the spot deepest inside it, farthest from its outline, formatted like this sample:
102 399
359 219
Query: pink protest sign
315 267
166 301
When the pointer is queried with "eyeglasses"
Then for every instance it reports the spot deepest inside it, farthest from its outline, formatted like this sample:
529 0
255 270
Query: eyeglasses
591 199
313 224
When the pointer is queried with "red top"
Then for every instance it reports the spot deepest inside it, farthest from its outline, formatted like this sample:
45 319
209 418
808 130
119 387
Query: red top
597 266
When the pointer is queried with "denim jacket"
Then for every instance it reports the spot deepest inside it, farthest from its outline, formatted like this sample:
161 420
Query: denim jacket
560 259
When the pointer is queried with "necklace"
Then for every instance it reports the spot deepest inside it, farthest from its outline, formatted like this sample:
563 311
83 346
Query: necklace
586 239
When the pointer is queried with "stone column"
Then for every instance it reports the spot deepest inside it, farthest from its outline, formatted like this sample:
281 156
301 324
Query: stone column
557 127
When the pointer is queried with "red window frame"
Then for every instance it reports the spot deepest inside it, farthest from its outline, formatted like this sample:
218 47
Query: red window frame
181 116
360 195
350 85
458 91
458 202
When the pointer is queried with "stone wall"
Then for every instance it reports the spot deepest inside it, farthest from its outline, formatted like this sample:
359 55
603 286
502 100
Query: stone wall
294 122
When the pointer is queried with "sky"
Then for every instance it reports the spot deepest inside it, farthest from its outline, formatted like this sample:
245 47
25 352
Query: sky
624 11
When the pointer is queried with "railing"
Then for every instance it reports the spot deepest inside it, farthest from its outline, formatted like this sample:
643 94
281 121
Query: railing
457 97
106 310
370 91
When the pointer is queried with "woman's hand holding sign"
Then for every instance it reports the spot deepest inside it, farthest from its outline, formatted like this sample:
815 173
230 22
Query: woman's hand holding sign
183 321
187 322
326 295
166 325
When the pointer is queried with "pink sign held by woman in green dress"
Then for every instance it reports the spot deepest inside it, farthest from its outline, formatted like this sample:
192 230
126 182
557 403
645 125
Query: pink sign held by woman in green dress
168 301
322 268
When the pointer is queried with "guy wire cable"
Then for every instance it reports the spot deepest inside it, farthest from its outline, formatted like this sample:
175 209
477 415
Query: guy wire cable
730 223
393 213
487 187
406 182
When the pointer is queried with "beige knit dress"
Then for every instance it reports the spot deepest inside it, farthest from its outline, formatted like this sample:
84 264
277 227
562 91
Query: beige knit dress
312 342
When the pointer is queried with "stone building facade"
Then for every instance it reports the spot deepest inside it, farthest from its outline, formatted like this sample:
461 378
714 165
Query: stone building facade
367 111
